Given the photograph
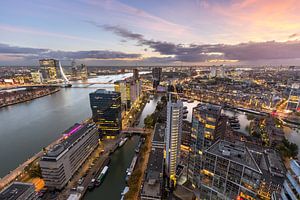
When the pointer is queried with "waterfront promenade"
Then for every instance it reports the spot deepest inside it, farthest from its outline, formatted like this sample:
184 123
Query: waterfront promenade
13 175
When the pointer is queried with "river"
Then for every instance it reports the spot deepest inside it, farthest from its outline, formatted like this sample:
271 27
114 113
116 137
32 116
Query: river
26 128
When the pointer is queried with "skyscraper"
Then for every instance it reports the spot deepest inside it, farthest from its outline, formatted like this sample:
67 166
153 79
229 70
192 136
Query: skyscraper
106 109
156 76
135 74
50 69
204 121
173 137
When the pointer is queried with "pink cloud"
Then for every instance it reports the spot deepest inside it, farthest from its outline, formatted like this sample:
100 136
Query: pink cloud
31 31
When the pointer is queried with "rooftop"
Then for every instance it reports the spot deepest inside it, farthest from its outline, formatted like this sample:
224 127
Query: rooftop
103 91
236 152
15 190
261 159
159 132
208 108
70 137
153 179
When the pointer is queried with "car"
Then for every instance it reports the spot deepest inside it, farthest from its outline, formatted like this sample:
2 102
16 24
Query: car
80 181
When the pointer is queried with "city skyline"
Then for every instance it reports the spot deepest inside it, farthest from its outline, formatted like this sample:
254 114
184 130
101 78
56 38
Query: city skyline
247 32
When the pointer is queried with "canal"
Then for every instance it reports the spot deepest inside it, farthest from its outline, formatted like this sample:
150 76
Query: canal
293 135
114 182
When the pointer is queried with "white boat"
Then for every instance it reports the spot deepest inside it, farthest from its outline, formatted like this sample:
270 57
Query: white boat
122 142
101 176
126 189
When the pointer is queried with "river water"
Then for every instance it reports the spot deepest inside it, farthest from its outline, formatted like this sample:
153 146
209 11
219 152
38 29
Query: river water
26 128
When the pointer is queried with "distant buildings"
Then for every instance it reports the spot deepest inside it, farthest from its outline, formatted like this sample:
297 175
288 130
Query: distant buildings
49 69
213 72
130 90
106 109
80 71
36 77
153 180
173 137
291 186
229 172
204 122
136 74
60 163
18 191
156 76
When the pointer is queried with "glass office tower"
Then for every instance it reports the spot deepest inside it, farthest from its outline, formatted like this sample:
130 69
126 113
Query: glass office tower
106 109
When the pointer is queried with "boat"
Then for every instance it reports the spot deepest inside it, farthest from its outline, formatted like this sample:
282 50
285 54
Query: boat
235 126
92 184
101 176
131 168
137 149
184 115
190 101
122 142
184 107
126 189
183 99
185 111
67 85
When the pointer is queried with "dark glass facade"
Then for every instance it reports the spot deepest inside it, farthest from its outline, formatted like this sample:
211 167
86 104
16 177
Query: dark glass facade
106 109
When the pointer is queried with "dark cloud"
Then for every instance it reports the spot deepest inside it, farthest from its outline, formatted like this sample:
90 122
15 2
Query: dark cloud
294 35
37 53
198 53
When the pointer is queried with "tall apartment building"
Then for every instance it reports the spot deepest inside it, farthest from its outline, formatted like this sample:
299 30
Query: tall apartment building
156 76
291 186
106 109
130 90
60 162
205 119
19 191
173 137
229 171
49 69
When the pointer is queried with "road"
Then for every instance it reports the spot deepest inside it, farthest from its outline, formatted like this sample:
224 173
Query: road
19 170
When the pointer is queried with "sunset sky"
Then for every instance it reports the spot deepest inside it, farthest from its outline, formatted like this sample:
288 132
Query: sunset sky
146 32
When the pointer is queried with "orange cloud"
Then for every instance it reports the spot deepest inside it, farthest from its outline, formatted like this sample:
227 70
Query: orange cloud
262 19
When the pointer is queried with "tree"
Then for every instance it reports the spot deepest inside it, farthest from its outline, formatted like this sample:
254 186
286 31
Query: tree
149 121
288 149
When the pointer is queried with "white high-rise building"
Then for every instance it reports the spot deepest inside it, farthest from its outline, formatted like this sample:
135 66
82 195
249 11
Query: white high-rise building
213 72
173 137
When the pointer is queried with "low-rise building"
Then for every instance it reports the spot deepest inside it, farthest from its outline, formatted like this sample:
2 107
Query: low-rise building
153 179
60 163
19 191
